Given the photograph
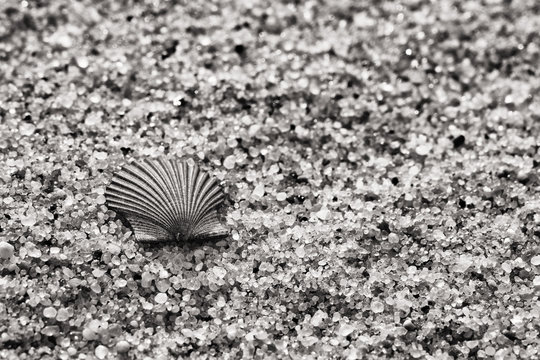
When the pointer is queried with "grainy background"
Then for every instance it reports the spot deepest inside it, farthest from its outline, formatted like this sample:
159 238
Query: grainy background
380 158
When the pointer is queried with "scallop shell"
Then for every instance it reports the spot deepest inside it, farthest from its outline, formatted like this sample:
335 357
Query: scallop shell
167 200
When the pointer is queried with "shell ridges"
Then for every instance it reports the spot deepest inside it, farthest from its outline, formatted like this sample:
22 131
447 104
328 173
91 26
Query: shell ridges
167 200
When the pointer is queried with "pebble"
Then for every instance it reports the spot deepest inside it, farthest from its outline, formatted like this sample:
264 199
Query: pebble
95 98
6 250
219 272
122 346
163 285
261 334
95 287
393 238
161 298
377 307
192 284
259 191
345 330
318 318
51 330
120 283
82 62
164 274
34 252
93 119
61 39
100 155
89 334
62 315
323 213
29 219
101 352
423 149
535 260
229 162
536 281
146 279
49 312
300 251
489 350
27 129
97 273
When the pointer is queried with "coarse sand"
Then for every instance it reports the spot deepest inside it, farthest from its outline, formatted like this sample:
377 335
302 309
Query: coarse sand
380 160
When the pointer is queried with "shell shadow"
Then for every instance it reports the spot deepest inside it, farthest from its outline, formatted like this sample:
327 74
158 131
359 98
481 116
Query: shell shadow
191 245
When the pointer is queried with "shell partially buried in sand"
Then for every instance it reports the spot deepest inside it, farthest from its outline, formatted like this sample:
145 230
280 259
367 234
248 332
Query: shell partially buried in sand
167 200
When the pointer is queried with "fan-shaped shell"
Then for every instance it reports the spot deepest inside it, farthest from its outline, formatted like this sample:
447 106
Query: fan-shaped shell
167 200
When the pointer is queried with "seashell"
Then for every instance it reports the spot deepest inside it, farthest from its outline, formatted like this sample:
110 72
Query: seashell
167 200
